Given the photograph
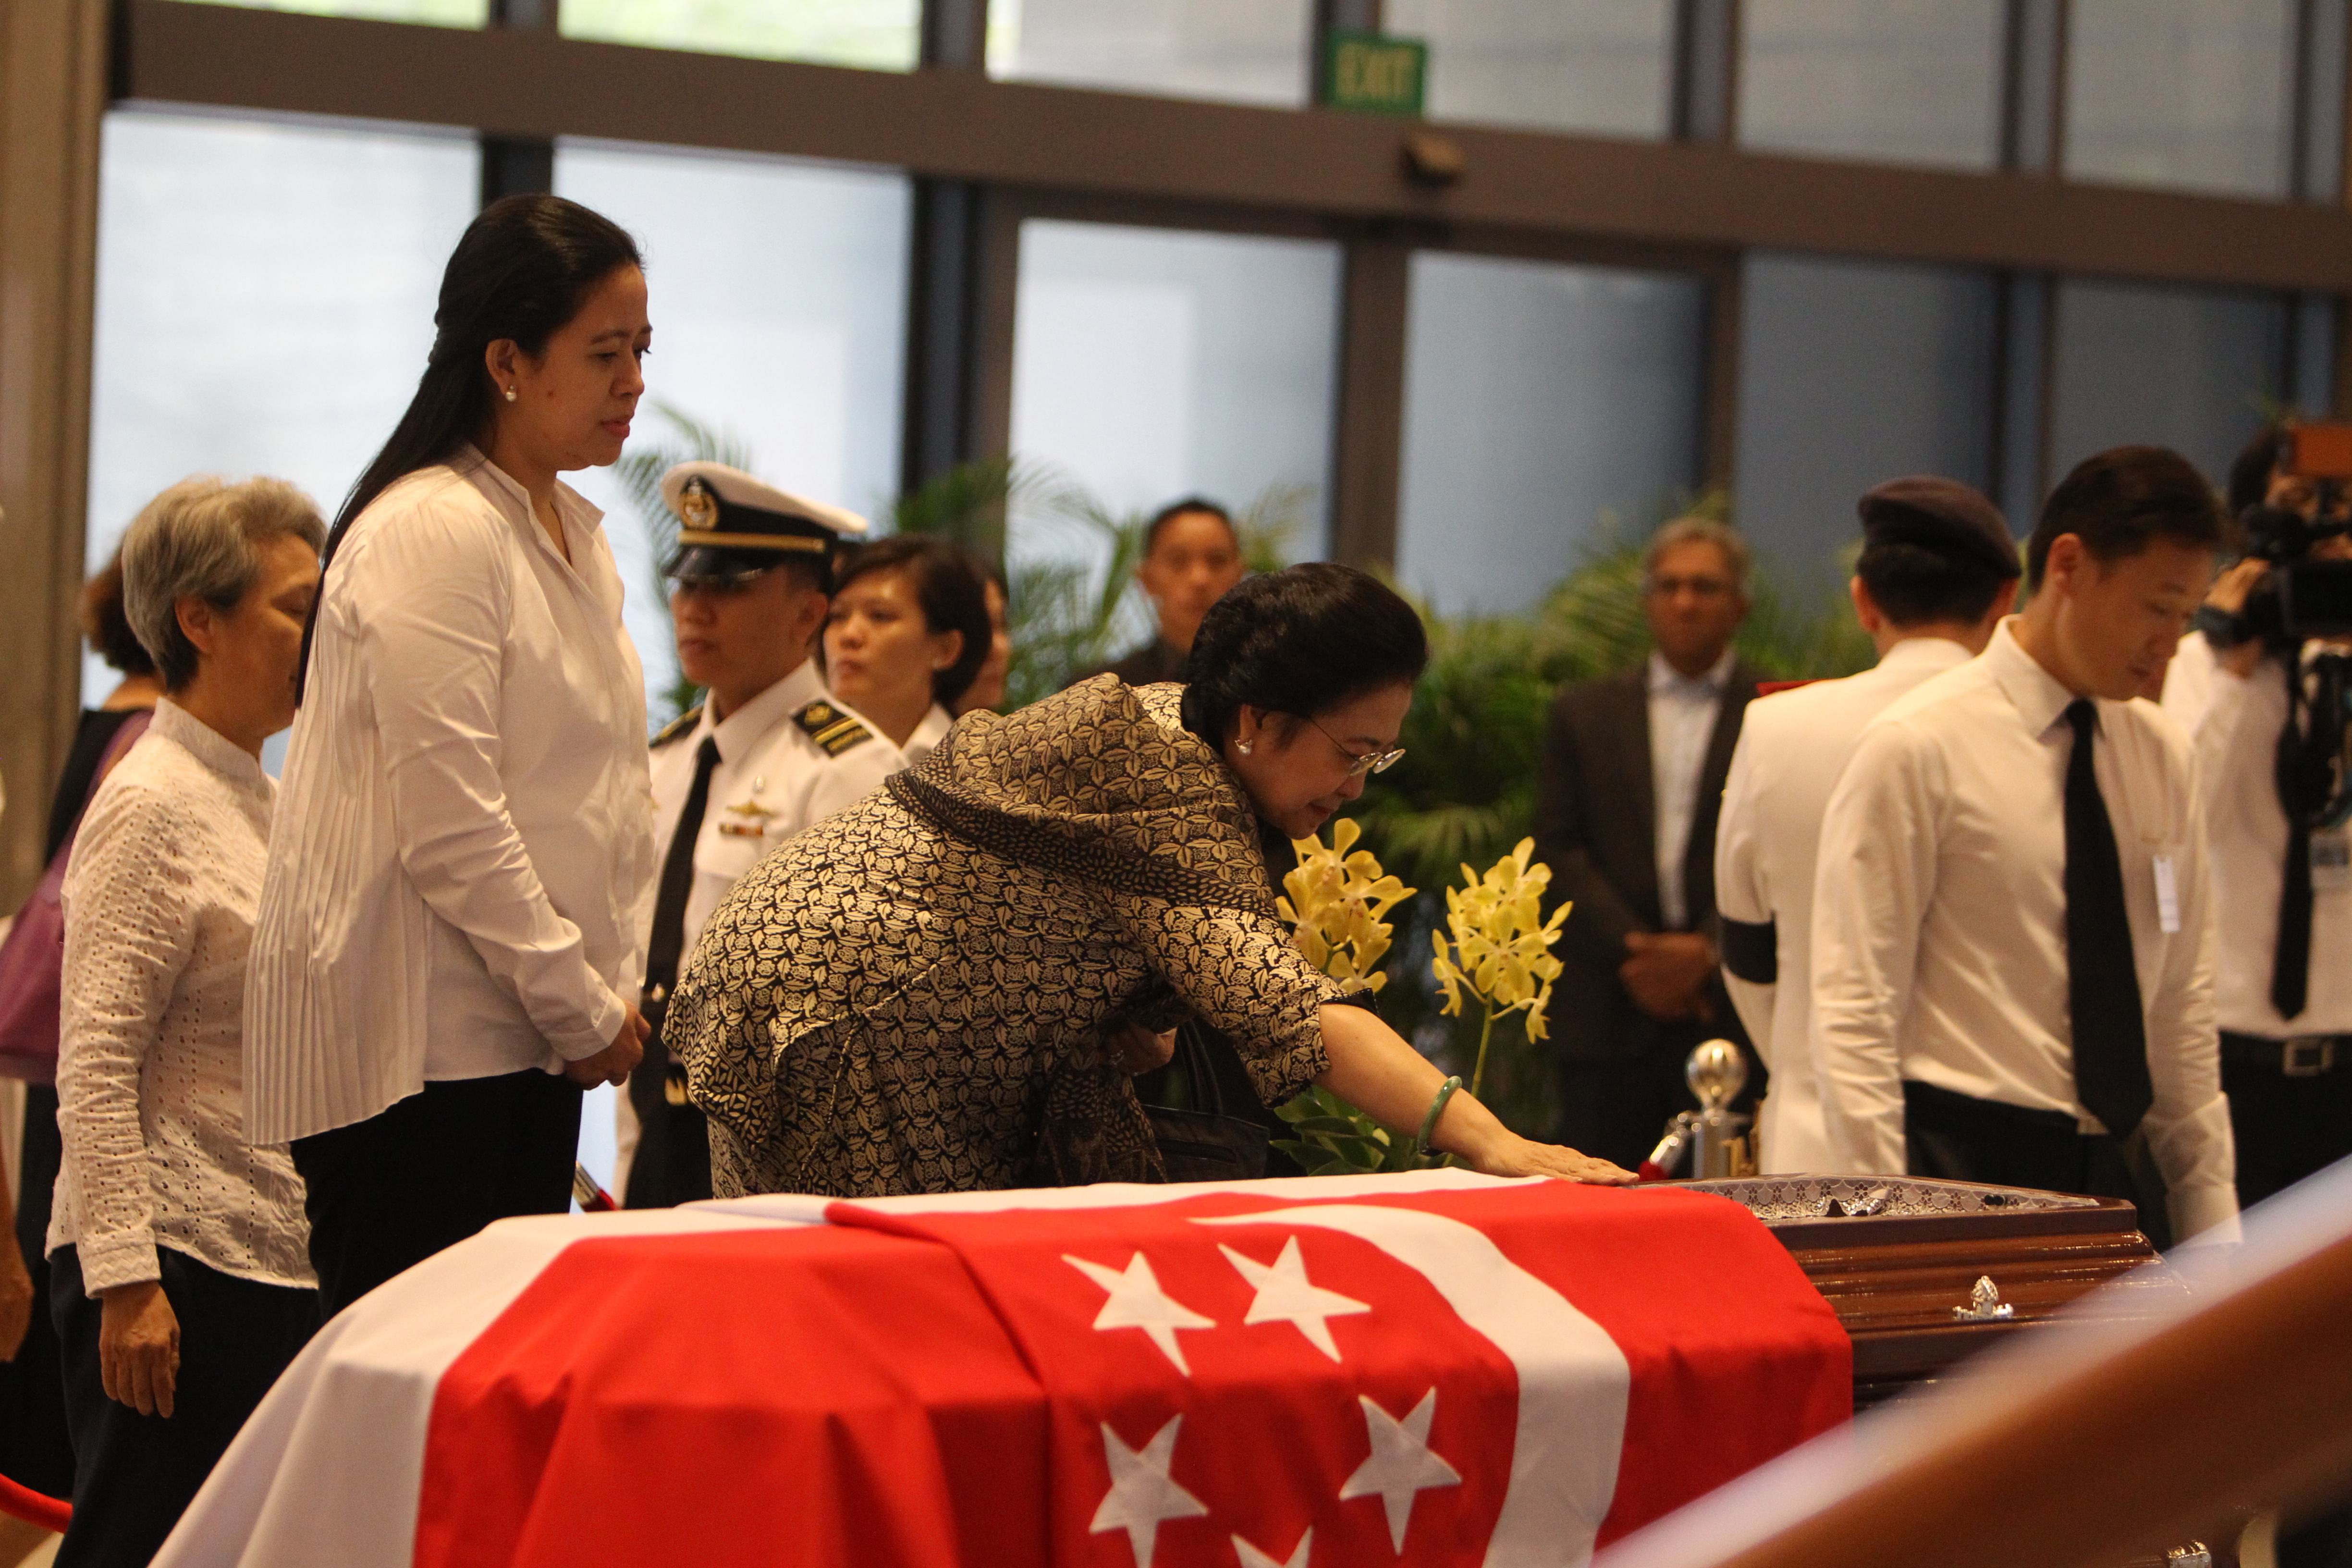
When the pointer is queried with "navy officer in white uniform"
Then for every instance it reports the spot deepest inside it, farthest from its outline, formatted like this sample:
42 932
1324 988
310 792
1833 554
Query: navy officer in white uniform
767 754
1938 570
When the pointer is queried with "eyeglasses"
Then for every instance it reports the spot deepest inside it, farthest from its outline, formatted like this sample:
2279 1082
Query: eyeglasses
1363 762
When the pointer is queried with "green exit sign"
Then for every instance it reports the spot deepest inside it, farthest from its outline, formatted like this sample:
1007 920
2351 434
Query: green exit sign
1374 73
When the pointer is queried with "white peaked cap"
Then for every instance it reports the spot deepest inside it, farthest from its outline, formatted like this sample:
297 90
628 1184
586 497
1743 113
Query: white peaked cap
737 488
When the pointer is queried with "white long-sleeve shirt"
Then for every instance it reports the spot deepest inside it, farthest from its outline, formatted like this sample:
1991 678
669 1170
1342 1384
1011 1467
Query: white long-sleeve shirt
2235 721
1793 746
464 858
1939 919
159 904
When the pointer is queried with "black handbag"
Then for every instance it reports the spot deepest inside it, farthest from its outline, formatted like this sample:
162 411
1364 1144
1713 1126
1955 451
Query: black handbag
1201 1142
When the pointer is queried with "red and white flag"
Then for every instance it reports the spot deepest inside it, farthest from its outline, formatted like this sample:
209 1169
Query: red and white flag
1440 1368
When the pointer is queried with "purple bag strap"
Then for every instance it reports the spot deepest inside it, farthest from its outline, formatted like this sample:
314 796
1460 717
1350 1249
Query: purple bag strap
125 739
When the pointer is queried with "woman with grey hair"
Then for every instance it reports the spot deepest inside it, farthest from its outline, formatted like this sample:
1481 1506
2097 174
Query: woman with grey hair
180 1280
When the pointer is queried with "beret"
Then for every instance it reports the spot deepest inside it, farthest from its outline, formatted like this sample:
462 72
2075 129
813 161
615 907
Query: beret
1942 515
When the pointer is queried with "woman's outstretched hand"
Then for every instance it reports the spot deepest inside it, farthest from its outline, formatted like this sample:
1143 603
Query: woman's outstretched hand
1512 1156
1371 1066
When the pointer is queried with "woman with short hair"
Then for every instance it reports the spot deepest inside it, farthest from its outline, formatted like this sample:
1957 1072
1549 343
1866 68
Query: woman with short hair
179 1281
907 632
448 944
947 987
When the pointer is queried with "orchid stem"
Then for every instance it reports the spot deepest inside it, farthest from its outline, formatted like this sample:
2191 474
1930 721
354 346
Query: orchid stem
1485 1033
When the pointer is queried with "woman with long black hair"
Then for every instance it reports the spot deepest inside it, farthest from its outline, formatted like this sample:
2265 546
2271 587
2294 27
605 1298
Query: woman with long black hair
446 953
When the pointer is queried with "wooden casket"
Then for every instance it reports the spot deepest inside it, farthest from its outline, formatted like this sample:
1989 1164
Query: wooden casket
1924 1273
1900 1259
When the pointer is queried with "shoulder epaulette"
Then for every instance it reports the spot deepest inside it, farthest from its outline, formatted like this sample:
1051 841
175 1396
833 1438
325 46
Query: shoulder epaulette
832 730
682 725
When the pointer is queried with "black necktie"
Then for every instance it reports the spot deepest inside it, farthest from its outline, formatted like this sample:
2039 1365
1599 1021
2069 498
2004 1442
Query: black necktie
2102 979
2291 961
2290 964
668 943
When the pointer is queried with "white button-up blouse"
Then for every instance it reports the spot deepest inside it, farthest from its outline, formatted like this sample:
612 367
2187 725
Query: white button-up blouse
463 857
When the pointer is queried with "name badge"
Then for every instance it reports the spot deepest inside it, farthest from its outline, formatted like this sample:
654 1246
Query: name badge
2331 859
2168 897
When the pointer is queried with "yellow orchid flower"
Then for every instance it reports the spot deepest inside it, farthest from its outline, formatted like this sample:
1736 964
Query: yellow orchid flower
1338 900
1500 946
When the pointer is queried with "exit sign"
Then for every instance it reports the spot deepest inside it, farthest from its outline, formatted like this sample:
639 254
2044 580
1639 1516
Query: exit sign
1374 73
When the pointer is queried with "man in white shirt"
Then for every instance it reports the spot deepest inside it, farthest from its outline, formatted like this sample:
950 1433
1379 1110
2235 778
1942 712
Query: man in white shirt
1938 570
2282 979
1626 791
769 752
2012 940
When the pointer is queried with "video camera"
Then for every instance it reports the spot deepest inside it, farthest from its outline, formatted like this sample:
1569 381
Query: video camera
2299 598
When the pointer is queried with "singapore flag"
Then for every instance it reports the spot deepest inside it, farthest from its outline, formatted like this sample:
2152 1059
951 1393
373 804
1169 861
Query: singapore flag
1438 1368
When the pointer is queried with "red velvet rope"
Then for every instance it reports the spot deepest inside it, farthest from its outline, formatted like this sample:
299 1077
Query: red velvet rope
33 1508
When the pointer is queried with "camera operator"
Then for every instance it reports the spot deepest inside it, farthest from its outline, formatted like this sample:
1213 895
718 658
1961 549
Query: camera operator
2255 688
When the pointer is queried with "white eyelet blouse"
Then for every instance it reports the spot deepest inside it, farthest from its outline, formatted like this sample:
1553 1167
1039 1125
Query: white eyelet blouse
159 907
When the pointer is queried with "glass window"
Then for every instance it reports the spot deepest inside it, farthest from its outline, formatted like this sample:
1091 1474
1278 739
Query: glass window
2193 369
2193 94
1250 51
287 332
779 299
1150 364
1602 66
1852 374
1540 401
881 35
1903 81
442 13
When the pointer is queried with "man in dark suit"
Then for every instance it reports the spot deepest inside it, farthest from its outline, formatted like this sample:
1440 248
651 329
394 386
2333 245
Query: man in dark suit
1626 797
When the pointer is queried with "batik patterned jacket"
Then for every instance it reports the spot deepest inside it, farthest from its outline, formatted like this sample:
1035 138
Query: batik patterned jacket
914 995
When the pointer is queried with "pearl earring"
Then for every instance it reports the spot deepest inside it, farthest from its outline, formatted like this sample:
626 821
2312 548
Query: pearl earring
511 395
1242 746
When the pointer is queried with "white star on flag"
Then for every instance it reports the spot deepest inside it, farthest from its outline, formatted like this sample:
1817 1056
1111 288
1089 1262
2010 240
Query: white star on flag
1401 1467
1136 1301
1253 1558
1285 1295
1141 1491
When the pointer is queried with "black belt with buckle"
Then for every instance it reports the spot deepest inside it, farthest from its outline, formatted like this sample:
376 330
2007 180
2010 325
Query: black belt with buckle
2300 1055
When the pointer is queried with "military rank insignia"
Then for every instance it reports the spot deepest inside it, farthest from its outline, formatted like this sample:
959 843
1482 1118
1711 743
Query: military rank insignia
683 724
832 730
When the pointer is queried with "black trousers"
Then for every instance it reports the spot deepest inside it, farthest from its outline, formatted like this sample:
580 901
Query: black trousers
134 1475
386 1193
34 1449
672 1162
1955 1137
2286 1128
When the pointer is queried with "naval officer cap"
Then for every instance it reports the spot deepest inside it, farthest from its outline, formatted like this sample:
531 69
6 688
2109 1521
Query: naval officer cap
1942 515
732 524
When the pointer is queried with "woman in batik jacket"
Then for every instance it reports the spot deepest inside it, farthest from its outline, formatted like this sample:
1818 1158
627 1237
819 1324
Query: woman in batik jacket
941 989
